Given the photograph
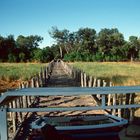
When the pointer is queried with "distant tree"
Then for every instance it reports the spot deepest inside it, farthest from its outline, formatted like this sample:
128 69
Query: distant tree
61 37
54 48
27 44
47 54
86 39
7 46
37 55
133 47
109 43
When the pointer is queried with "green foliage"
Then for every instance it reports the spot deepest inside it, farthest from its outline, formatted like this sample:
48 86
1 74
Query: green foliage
11 58
21 57
82 45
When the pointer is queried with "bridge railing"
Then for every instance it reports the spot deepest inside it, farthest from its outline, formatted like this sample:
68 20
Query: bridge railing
30 95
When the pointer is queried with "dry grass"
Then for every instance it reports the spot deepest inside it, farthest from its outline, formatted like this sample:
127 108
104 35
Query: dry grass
120 73
16 71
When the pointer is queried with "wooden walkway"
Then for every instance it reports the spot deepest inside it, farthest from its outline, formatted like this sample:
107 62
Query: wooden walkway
60 77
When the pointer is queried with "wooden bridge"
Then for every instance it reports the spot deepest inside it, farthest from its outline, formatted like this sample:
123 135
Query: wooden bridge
60 90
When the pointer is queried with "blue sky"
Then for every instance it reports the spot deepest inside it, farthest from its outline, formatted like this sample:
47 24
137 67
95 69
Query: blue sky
31 17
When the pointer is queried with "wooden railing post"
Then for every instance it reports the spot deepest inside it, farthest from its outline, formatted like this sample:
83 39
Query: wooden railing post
132 110
82 80
14 117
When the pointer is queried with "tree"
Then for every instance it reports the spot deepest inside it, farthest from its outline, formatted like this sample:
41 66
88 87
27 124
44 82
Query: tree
133 47
86 39
61 37
7 46
109 42
27 44
37 55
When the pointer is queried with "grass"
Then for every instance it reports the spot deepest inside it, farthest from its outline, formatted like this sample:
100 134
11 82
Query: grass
16 71
120 73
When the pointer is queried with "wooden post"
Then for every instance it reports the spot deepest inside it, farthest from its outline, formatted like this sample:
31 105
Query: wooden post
10 113
18 113
82 80
40 79
98 85
22 85
28 101
32 83
114 103
120 103
94 82
27 84
132 110
21 105
36 81
109 95
90 81
127 112
104 83
14 117
85 80
24 101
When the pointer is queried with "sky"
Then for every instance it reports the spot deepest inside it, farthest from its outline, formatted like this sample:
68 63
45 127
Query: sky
37 17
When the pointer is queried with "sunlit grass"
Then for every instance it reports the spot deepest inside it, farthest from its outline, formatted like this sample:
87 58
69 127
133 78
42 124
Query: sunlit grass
16 71
120 73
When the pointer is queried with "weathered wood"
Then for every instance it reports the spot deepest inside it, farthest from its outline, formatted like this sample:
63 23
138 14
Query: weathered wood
37 81
10 106
40 79
120 102
109 95
82 80
132 110
114 103
85 80
104 83
94 82
14 117
127 111
18 113
24 101
90 81
32 83
98 85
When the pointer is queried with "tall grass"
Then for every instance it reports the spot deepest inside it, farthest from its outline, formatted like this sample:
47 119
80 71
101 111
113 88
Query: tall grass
120 73
16 71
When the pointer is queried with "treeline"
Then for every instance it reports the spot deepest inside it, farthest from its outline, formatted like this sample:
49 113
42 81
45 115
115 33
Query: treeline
24 49
83 45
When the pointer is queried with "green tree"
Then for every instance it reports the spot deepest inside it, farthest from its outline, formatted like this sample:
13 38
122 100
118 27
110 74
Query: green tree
27 44
86 39
133 48
61 37
109 43
7 46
